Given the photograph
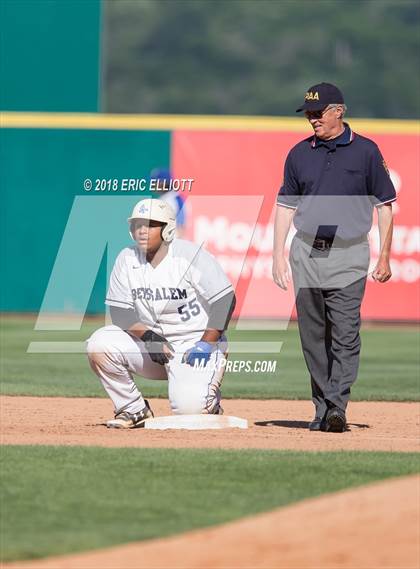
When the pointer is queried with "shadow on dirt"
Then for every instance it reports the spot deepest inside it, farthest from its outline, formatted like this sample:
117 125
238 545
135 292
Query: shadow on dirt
301 424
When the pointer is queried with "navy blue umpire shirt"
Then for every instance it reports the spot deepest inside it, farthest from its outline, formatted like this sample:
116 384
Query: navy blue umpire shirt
334 185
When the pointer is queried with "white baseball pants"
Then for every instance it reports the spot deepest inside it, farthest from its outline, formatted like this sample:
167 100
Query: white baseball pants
115 356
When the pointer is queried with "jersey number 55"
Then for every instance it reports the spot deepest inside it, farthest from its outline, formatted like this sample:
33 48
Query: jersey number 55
188 310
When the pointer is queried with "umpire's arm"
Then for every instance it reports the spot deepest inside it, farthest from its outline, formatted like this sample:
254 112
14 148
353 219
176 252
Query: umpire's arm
281 270
382 271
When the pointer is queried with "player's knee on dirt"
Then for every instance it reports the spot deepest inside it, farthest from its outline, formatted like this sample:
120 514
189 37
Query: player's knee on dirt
192 391
189 399
187 405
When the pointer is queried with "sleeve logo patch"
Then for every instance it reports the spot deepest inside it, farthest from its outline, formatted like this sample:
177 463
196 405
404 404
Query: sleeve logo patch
384 164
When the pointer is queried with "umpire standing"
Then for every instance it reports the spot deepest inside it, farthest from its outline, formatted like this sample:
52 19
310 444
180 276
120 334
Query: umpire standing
333 180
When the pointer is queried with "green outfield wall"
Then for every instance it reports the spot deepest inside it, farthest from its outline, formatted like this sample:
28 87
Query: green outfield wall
46 169
50 55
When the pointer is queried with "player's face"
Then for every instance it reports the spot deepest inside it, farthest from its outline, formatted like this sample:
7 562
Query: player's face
147 234
326 122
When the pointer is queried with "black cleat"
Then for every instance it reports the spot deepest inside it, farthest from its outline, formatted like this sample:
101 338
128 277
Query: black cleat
335 421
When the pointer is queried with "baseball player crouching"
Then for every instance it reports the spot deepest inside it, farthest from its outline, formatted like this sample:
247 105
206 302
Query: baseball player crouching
170 303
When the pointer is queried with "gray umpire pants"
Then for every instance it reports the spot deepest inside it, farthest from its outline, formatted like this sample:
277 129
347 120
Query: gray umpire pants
329 287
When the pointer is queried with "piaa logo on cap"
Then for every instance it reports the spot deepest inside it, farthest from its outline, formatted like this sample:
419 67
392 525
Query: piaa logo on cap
312 96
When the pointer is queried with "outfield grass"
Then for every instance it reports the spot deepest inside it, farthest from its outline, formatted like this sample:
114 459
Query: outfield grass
66 499
388 370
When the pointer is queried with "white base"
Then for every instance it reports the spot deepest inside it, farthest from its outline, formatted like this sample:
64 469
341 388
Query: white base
196 422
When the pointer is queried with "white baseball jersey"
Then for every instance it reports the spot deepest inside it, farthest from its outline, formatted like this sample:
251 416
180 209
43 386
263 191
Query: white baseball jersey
173 298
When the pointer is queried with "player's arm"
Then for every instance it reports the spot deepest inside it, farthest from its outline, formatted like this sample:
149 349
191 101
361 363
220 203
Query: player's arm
126 319
157 346
123 313
220 313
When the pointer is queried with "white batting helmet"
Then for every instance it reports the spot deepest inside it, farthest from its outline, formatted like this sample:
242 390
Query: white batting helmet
156 210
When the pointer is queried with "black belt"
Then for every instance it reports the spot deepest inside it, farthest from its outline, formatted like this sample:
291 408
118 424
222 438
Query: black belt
332 242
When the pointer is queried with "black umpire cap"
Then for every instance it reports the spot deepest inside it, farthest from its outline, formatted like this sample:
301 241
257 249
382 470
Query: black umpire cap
320 96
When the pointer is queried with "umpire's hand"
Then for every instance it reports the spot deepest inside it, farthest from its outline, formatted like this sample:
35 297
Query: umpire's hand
281 271
382 271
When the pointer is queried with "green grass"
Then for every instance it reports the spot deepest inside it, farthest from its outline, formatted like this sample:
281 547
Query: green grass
61 499
388 370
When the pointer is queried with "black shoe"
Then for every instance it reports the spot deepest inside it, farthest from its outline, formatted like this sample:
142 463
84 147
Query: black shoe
335 421
317 424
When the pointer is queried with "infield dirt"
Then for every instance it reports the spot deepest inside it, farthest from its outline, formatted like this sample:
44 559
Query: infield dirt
273 424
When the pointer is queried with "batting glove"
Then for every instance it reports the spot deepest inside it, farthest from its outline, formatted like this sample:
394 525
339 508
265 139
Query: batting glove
200 352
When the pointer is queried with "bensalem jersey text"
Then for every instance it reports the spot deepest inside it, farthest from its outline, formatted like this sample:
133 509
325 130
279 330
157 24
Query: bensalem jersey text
173 298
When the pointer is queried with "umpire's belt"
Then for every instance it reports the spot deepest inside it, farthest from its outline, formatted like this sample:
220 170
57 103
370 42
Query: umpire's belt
332 242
